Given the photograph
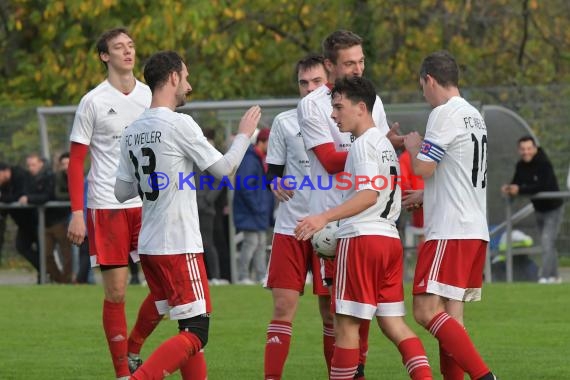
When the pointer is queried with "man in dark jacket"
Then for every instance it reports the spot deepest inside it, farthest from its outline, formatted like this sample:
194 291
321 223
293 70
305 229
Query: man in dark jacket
533 174
252 210
14 185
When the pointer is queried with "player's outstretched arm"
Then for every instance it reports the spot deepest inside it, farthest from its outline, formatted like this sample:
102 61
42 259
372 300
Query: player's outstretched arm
394 136
230 161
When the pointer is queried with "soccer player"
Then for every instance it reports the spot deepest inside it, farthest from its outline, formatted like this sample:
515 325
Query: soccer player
327 147
369 261
452 159
163 145
113 228
291 259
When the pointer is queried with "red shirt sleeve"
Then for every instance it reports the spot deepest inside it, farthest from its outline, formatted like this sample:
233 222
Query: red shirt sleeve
75 177
332 161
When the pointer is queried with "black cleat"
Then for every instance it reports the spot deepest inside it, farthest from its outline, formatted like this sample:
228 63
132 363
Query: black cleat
134 363
359 372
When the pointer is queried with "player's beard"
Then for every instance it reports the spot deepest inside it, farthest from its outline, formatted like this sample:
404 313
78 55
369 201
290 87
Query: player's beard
180 99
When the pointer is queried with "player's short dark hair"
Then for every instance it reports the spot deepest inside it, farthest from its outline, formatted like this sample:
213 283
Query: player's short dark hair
356 89
308 62
4 166
159 66
338 40
62 156
442 67
102 44
527 138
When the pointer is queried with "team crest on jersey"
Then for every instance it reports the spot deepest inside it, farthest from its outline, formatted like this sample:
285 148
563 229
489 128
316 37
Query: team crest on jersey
299 134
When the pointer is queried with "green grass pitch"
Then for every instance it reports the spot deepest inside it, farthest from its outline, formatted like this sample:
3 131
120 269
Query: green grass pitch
54 332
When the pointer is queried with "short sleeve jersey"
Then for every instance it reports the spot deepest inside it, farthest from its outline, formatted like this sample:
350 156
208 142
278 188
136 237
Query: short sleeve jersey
317 128
286 148
455 196
159 151
100 119
372 164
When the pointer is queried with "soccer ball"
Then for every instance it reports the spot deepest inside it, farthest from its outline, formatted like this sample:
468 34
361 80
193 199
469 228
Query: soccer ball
324 241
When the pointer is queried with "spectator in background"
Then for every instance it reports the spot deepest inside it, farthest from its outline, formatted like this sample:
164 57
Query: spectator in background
56 226
41 190
14 184
533 174
252 210
206 197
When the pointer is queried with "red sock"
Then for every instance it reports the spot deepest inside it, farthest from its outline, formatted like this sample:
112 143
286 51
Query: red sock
363 332
147 320
276 348
453 339
448 366
415 359
344 363
328 344
169 357
195 367
115 326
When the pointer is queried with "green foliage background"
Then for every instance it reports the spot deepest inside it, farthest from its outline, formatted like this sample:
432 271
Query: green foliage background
247 48
511 52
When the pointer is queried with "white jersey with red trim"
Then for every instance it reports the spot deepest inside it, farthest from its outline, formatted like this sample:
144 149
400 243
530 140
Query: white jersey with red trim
455 196
100 119
286 148
372 164
168 144
317 128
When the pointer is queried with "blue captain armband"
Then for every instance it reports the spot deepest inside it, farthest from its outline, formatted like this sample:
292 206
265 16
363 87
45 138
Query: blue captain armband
432 151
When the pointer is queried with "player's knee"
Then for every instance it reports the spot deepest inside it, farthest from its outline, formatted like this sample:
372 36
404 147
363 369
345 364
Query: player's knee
421 316
198 326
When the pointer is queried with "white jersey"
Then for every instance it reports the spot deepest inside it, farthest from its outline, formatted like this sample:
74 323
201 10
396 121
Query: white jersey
100 119
372 164
286 147
167 143
455 196
317 128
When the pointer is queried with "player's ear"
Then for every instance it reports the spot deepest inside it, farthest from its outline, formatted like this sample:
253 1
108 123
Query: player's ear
104 57
329 65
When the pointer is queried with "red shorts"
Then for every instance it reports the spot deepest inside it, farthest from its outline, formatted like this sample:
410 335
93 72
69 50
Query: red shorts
368 278
451 268
113 235
178 283
289 263
327 267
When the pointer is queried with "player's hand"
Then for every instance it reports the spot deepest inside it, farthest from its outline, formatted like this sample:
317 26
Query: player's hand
514 189
505 189
412 199
309 225
249 121
76 230
413 142
23 200
282 189
394 136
